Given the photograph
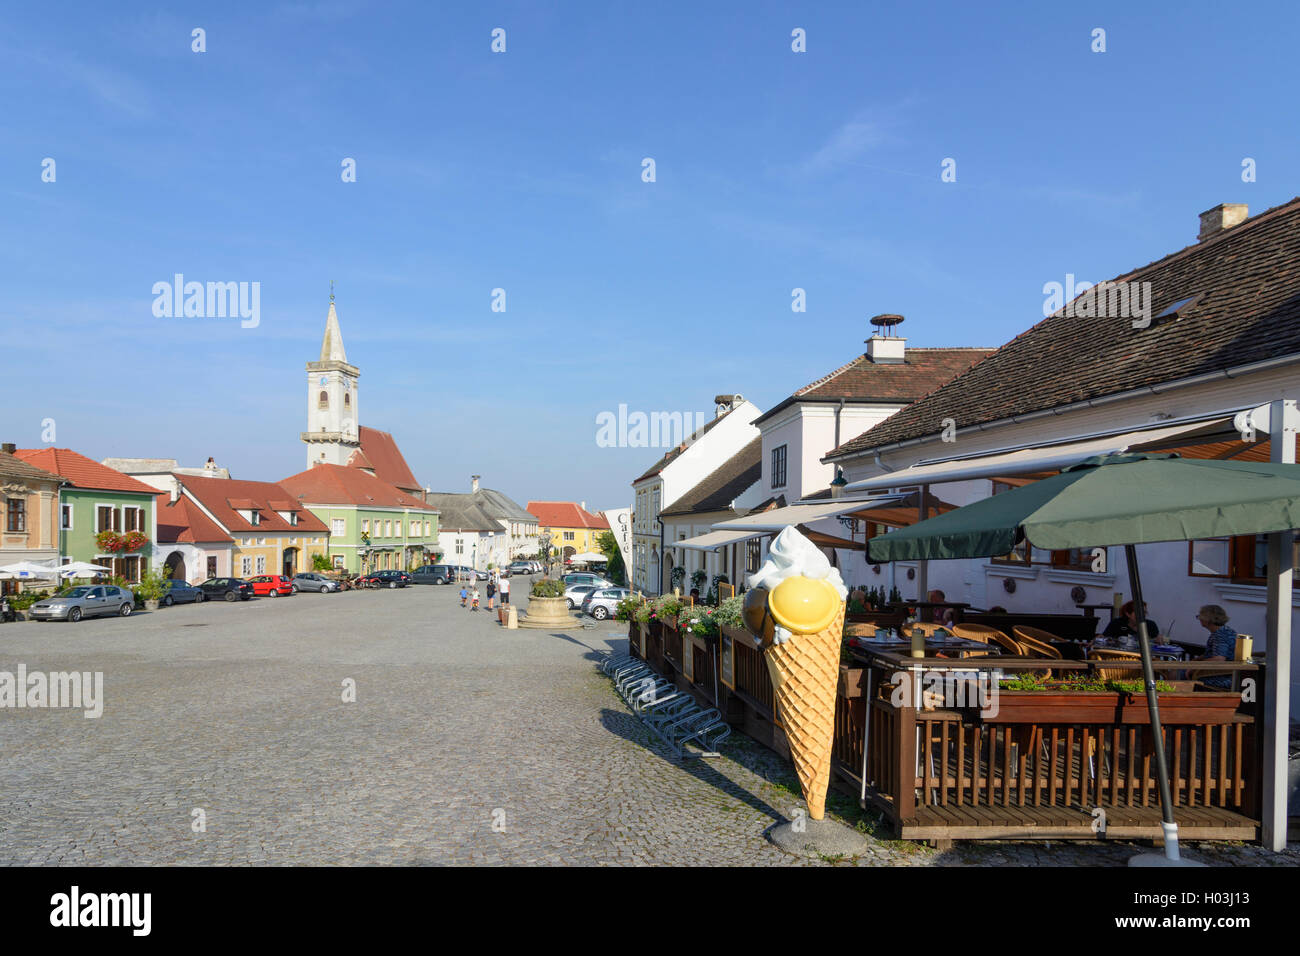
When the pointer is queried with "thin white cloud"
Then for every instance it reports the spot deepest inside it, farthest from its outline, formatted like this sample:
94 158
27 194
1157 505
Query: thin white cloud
850 142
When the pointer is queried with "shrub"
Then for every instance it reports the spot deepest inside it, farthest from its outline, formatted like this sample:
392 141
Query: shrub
667 606
699 620
626 608
641 613
731 612
547 588
320 562
153 585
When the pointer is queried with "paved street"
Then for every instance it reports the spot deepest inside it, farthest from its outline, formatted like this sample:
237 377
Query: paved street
467 744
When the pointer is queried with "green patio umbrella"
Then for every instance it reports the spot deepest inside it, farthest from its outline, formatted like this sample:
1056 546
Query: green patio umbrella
1114 500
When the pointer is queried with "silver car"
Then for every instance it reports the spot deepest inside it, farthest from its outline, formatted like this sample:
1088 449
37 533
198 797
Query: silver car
603 602
85 601
310 581
575 593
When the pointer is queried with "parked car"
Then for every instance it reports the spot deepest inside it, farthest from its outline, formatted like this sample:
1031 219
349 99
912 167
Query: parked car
226 589
180 592
586 577
311 581
520 567
601 603
271 585
469 574
86 601
433 574
575 593
385 579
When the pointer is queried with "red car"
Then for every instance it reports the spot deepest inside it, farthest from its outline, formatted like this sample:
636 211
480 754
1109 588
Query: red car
271 585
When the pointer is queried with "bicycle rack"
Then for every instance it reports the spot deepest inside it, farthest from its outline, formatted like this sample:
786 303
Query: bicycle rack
669 713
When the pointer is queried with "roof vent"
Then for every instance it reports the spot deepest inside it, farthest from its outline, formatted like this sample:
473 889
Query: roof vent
8 448
885 347
1221 217
726 403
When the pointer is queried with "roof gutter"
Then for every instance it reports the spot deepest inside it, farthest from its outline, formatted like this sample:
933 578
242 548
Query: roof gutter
1158 389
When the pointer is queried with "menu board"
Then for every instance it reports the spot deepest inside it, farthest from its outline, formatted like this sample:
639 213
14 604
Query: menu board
688 656
727 660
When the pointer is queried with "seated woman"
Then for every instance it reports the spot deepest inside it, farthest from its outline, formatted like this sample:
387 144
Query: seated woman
1126 625
938 615
1221 645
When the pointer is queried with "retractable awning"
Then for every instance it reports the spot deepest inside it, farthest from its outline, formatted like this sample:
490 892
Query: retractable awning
1051 457
715 539
778 518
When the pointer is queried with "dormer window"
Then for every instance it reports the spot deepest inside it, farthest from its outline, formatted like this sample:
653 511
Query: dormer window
254 518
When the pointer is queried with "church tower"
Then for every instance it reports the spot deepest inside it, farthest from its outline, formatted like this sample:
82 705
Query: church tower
332 433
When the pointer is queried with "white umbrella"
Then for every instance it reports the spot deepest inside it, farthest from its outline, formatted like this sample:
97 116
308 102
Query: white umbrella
588 556
79 569
27 569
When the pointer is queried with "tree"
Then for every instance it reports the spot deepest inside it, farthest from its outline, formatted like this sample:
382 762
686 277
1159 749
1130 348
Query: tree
614 567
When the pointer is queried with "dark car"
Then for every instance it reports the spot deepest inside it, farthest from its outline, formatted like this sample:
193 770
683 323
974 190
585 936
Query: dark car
385 579
180 592
433 574
226 589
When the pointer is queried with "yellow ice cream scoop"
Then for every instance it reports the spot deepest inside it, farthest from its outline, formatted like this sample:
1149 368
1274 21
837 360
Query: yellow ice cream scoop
806 605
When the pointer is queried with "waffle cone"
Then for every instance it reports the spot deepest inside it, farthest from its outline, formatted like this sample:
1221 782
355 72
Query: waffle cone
805 676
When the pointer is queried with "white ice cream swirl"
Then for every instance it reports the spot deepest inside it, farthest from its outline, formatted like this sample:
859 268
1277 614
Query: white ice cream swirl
792 555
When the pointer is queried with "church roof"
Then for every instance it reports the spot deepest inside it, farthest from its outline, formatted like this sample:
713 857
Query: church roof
331 347
337 485
379 453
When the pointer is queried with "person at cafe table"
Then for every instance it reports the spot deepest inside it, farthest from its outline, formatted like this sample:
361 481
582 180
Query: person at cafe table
1221 645
1126 625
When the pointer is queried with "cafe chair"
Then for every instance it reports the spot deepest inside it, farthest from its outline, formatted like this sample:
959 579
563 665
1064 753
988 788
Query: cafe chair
1115 673
1035 646
987 635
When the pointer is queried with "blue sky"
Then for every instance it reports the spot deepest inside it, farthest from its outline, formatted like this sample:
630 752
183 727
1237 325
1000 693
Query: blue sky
522 171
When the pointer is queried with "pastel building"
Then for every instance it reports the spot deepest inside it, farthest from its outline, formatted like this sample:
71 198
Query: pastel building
572 529
29 515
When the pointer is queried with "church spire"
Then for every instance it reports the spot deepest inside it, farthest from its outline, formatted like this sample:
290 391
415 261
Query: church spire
331 347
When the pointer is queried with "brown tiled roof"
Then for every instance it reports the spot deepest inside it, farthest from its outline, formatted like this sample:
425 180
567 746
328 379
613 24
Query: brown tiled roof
672 453
182 521
379 451
11 466
341 485
223 498
1247 279
720 488
898 383
81 471
565 514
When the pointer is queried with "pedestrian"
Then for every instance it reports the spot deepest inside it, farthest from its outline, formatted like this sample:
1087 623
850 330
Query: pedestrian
474 599
464 595
492 590
505 591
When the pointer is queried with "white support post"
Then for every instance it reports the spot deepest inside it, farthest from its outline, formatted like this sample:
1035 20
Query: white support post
923 566
1283 422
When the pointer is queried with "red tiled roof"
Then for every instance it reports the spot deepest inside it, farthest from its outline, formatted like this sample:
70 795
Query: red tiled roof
181 521
379 451
862 380
1247 283
223 497
342 485
83 472
565 514
15 467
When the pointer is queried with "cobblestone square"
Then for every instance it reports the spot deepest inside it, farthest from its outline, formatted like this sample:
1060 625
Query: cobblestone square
467 744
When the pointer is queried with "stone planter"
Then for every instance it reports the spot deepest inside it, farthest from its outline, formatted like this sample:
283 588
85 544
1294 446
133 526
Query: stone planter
550 613
150 605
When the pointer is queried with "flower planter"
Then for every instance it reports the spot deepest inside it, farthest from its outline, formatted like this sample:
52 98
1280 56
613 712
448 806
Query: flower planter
1112 707
151 605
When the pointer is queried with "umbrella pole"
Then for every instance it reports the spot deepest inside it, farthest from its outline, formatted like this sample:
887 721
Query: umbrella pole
1144 641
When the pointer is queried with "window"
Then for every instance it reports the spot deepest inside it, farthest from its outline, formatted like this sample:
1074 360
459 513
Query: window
133 518
1022 553
212 566
261 564
293 518
415 529
324 400
1074 559
347 399
65 517
460 546
427 530
255 518
245 566
778 466
338 526
17 514
365 526
568 536
338 561
752 553
107 518
1243 559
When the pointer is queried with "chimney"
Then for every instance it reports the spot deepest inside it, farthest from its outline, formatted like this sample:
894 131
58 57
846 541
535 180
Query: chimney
884 347
725 403
211 464
8 448
473 483
1221 217
582 505
176 490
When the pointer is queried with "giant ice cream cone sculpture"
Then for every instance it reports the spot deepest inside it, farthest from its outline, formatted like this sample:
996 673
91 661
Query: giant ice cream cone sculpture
800 628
